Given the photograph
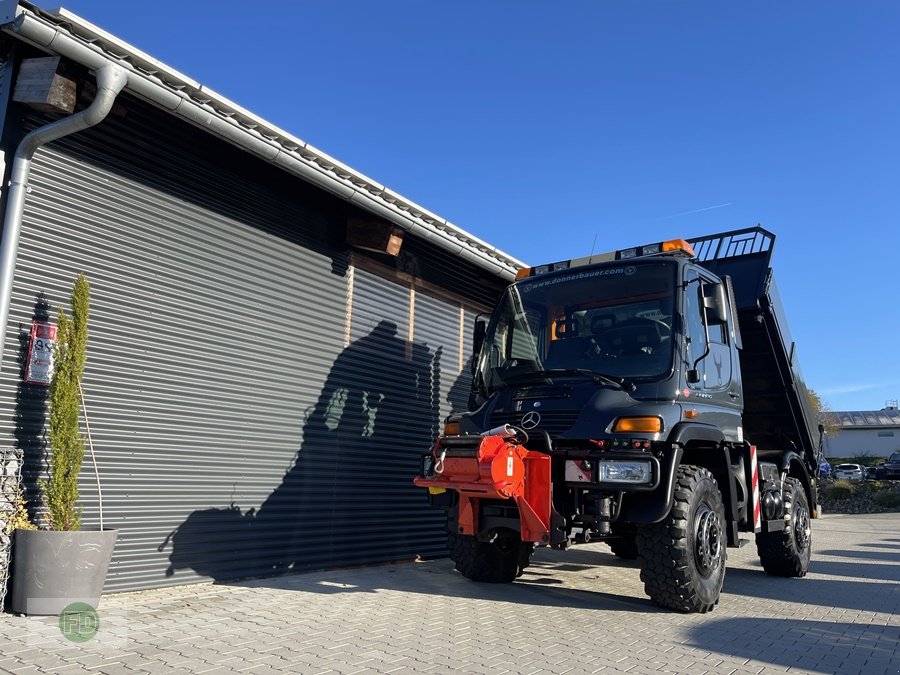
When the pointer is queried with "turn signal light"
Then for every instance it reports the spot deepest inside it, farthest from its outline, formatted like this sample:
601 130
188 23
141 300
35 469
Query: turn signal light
523 272
451 428
645 425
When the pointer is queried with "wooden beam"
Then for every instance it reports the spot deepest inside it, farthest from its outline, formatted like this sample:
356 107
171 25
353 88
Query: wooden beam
374 235
42 84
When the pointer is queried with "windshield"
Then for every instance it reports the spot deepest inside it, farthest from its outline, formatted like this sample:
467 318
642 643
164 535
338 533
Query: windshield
614 321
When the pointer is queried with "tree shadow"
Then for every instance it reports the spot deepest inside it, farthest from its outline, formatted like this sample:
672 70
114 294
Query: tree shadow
814 645
856 570
30 446
870 596
348 498
31 411
893 547
866 555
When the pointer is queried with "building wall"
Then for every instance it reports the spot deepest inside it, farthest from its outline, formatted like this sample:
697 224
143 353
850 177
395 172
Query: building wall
259 396
862 442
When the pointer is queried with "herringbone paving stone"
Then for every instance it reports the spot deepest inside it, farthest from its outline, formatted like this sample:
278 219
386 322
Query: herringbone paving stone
573 612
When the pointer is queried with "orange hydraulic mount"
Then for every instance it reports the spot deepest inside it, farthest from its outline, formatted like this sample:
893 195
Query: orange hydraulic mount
493 467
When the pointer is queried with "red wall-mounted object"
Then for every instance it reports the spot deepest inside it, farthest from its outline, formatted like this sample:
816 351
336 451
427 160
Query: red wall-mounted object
39 367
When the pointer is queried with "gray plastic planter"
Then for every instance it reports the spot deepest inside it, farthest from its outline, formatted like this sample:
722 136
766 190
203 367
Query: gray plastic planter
54 569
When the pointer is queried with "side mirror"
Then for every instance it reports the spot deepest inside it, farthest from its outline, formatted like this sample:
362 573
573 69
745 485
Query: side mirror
715 304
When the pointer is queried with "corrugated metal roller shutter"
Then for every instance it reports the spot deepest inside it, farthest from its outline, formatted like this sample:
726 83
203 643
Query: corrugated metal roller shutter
212 334
437 325
385 414
236 433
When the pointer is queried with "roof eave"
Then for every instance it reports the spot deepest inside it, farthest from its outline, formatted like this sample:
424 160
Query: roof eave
62 32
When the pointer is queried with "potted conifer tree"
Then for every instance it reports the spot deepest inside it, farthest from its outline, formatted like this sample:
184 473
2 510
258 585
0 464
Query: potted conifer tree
59 563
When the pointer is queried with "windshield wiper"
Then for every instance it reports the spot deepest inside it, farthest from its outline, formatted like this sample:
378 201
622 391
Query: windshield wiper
620 382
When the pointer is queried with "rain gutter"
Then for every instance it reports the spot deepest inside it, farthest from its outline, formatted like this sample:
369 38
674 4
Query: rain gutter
68 35
110 81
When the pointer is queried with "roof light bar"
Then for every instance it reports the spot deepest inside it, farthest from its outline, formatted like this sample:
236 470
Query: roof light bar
671 247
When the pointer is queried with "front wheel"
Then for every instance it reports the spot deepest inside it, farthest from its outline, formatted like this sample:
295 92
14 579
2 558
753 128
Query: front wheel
682 558
498 561
787 553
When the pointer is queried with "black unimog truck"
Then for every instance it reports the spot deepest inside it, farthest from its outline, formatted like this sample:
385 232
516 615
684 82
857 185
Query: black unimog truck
649 398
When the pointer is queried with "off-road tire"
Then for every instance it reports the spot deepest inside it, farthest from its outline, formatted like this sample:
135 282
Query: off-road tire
623 542
787 553
497 562
682 558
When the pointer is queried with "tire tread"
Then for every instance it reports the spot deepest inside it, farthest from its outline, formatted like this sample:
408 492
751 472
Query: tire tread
664 555
777 552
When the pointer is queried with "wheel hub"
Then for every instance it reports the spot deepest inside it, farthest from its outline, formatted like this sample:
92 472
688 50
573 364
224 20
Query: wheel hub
802 528
708 541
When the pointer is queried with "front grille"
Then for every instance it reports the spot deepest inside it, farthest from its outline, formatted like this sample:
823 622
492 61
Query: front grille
554 422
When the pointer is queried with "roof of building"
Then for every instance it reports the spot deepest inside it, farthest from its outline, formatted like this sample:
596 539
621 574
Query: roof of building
868 419
62 32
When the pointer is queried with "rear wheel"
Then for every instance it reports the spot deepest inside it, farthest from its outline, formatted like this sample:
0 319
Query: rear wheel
498 561
787 553
682 558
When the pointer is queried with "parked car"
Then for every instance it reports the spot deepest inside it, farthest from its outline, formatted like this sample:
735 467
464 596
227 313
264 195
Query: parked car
891 467
873 473
849 472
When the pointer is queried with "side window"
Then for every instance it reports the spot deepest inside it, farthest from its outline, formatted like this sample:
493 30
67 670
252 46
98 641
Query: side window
696 335
524 339
716 370
717 335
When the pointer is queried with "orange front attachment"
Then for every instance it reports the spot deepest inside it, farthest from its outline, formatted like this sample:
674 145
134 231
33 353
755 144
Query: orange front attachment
498 468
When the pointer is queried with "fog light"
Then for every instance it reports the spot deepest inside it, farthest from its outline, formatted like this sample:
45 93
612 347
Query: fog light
624 472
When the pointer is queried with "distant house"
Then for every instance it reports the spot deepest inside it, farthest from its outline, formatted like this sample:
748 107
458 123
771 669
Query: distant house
865 432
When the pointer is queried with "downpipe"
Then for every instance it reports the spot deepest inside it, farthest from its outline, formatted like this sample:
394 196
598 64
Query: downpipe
111 79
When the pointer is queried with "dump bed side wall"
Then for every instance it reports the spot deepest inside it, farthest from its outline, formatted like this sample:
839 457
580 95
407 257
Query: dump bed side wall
777 411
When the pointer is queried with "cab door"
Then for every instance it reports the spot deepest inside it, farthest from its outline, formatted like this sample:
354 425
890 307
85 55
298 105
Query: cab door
709 351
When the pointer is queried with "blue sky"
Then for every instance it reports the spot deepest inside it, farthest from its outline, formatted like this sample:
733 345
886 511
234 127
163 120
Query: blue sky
539 126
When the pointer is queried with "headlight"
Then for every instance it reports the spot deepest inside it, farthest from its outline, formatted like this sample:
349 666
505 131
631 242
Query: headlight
624 472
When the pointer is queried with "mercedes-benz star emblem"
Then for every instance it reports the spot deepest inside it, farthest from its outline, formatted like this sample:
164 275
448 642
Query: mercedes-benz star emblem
530 420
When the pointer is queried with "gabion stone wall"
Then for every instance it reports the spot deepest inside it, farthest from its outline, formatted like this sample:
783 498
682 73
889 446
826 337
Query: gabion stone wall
10 479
